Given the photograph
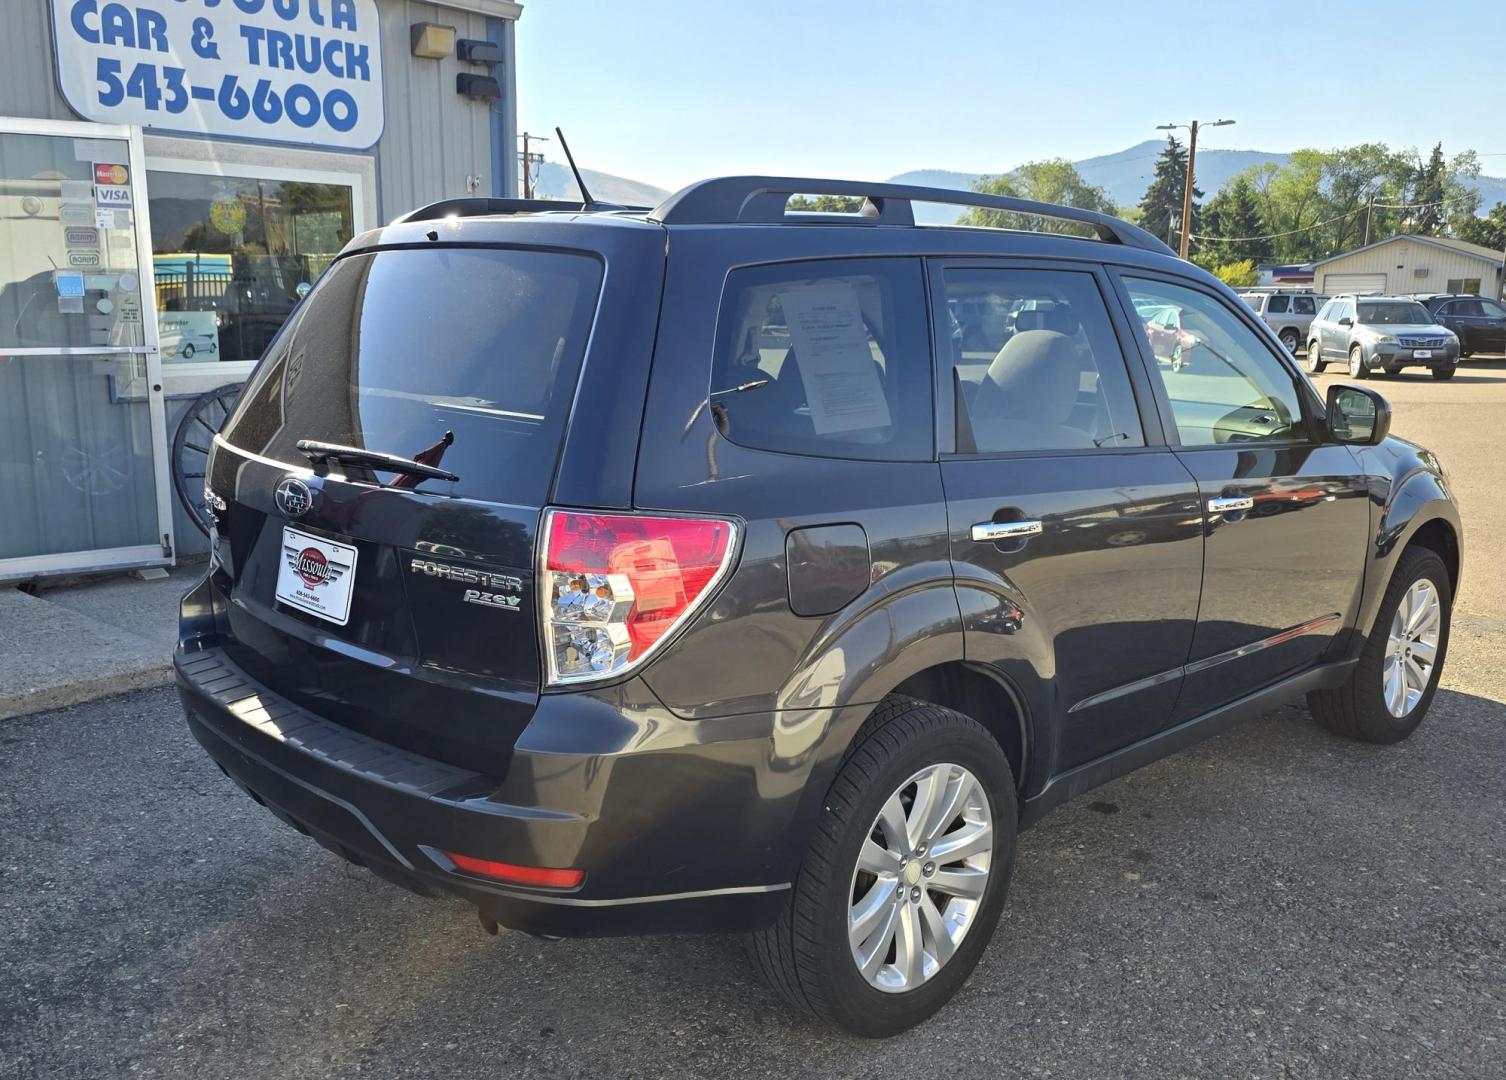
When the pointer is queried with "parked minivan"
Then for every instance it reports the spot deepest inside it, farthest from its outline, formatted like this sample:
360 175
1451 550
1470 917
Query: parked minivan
711 567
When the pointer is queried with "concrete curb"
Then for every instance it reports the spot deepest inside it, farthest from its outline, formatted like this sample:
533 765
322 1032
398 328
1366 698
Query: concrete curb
41 699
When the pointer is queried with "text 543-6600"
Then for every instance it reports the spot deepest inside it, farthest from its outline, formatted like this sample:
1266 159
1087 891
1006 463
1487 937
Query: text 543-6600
166 88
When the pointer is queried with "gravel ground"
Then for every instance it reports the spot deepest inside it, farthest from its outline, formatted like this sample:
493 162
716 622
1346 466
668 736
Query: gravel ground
1274 903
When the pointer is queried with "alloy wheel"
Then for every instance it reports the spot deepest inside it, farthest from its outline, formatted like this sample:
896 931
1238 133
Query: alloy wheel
920 877
1412 648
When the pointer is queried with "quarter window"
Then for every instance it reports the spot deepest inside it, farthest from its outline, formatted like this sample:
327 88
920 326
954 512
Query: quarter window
1223 384
1035 364
829 358
1302 305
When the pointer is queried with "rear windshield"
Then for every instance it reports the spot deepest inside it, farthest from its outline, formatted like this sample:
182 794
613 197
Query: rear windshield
462 358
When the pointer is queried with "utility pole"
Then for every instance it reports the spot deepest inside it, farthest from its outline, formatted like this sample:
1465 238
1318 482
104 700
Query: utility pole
1369 209
529 161
1187 183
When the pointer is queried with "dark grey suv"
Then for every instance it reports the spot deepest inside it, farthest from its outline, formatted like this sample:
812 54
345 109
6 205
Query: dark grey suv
696 568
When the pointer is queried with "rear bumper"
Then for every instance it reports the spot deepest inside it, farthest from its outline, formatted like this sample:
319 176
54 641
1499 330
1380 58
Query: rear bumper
672 833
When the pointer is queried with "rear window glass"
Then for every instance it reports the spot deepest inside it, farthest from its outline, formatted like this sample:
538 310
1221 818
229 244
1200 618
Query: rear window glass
827 358
464 358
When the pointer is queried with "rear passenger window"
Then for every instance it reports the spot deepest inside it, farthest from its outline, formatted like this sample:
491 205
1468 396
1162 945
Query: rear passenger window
1302 305
831 358
1035 364
1278 305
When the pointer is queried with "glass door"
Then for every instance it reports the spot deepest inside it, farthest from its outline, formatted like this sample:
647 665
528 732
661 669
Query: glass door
83 457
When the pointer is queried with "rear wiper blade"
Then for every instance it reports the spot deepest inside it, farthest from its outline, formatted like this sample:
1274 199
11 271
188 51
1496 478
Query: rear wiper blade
321 452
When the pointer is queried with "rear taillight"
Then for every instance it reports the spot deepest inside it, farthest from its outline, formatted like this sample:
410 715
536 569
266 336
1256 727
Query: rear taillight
541 876
615 585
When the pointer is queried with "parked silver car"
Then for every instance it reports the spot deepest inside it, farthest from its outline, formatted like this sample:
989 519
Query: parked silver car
1380 333
1285 311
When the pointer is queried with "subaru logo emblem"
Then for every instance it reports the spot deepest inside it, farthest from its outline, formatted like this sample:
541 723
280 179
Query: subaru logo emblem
293 497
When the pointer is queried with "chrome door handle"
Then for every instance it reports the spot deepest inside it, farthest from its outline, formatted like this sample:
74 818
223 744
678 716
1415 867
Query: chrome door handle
991 532
1230 504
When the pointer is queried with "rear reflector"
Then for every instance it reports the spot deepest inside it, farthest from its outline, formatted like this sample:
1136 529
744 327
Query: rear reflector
540 876
615 585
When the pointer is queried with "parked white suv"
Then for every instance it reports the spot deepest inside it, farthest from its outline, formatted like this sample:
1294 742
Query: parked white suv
1285 311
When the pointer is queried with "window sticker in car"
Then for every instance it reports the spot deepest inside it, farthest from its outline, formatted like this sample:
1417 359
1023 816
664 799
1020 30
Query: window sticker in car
837 366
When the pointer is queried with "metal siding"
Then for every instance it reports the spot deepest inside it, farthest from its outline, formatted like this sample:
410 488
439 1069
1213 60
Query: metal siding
435 138
28 81
1400 260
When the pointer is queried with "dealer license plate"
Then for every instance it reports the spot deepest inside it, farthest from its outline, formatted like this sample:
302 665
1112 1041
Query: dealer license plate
1422 354
316 575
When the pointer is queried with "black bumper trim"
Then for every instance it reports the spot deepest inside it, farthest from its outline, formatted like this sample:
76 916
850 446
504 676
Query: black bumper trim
215 677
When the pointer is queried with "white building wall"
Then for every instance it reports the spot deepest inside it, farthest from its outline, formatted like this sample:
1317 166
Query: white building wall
1401 262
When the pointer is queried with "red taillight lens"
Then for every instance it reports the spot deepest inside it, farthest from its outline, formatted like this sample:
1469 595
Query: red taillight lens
615 584
541 876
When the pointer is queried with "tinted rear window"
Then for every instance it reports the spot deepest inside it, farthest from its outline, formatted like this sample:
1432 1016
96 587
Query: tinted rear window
829 358
393 350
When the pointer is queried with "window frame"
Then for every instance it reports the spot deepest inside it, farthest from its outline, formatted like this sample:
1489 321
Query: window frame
189 378
942 392
1307 397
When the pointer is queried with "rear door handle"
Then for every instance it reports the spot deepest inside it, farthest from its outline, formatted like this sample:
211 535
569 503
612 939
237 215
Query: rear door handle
1230 504
991 532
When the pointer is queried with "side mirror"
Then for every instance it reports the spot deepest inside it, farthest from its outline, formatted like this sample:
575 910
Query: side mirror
1346 321
1357 415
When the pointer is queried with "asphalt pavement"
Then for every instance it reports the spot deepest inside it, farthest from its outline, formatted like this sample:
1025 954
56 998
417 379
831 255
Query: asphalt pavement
1274 903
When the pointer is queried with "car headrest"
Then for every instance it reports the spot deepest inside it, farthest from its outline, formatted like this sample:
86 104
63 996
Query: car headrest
1036 376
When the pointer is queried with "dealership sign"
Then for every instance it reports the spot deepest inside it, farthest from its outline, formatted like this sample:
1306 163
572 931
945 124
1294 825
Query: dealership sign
295 71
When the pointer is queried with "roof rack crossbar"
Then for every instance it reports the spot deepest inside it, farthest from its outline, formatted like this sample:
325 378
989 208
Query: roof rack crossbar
762 200
480 206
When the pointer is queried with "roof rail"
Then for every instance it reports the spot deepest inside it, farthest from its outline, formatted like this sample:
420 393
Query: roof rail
762 200
480 206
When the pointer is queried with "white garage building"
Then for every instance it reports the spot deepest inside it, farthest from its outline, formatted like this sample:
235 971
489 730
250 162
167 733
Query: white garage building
1411 264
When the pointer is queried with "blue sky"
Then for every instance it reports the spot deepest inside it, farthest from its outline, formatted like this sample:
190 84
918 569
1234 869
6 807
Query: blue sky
668 91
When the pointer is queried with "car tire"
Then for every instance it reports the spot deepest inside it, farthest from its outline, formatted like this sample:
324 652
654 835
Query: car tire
1444 373
1290 340
807 956
1357 368
188 351
1315 361
1359 709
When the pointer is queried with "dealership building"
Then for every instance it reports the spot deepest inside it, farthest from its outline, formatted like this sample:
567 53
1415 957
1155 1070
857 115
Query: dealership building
174 176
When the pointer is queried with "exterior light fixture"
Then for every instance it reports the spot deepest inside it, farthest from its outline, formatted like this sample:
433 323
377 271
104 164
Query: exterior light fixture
432 41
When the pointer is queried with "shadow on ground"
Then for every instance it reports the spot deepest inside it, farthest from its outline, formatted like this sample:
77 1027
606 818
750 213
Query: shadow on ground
1275 902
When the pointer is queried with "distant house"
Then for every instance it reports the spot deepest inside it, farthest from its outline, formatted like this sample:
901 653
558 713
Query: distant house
1411 264
1286 275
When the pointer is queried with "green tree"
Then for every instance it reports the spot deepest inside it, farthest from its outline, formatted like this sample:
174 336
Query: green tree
1162 203
826 204
1232 225
1428 191
1054 181
1489 230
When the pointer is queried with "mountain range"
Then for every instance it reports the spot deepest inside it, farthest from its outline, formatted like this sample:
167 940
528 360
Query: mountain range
1124 175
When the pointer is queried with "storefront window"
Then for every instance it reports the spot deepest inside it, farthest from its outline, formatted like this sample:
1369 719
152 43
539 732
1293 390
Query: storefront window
67 244
232 255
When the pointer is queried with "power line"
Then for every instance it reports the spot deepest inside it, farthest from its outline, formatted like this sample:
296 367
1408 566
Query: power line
1327 221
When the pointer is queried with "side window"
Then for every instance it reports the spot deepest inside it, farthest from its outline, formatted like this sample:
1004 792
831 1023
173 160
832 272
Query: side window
831 358
1035 364
1470 308
1326 312
1224 385
1302 305
1279 304
1492 310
